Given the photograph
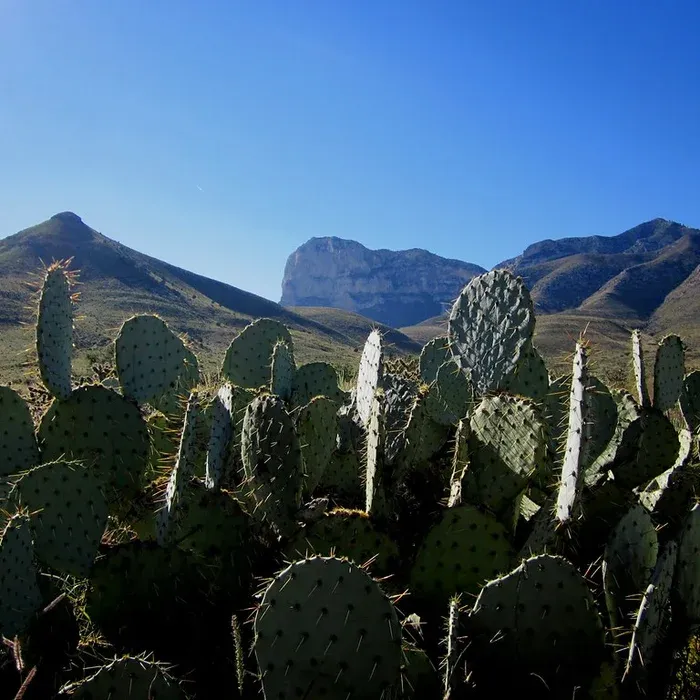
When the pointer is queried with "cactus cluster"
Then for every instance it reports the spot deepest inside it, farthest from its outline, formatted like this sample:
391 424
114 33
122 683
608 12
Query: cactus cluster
462 525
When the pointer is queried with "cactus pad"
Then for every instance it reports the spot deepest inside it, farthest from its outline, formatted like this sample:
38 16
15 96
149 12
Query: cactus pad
315 379
325 629
18 448
669 370
54 331
282 370
369 375
433 355
249 356
491 327
687 581
461 553
69 514
222 416
530 377
690 400
449 397
317 427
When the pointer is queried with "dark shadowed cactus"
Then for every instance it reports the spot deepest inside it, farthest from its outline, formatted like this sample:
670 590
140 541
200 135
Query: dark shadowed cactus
690 400
18 448
324 628
687 581
669 370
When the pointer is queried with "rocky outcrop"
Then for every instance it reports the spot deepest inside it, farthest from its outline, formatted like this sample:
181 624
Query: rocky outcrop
398 288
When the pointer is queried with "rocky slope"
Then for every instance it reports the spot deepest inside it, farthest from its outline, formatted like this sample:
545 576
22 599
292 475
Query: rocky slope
398 288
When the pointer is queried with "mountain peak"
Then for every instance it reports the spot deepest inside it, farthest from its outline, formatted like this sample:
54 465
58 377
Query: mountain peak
67 217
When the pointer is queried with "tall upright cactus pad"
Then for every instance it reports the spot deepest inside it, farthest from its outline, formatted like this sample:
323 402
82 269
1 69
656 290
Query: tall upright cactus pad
375 466
20 597
629 560
317 428
315 379
222 416
182 471
690 400
324 628
687 582
18 448
639 370
465 550
452 678
669 370
460 463
68 514
349 534
649 626
282 370
125 678
272 462
538 619
249 356
433 356
508 450
369 375
491 326
577 436
54 330
103 430
148 357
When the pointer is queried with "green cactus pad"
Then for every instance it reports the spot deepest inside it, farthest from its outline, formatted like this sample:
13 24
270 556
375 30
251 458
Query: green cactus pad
316 379
249 356
325 629
669 370
20 597
351 535
54 331
690 401
399 395
461 553
628 563
530 377
450 395
148 358
174 401
538 619
282 370
342 478
221 411
508 450
369 375
317 428
69 514
433 355
18 448
127 678
103 430
491 327
687 583
271 462
649 626
182 471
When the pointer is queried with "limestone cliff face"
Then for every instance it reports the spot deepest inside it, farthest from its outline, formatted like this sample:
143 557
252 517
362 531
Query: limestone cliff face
398 288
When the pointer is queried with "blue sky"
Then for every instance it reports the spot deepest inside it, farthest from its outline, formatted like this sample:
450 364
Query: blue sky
219 136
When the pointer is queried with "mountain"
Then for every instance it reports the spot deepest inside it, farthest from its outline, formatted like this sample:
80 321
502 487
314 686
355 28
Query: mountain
116 281
397 288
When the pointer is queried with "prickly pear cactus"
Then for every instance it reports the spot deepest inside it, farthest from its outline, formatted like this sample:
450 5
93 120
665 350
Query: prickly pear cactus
20 597
148 358
452 677
324 628
628 563
639 371
68 514
538 619
433 356
669 370
126 678
315 379
369 375
317 427
272 462
450 395
222 416
249 356
687 582
460 463
54 330
508 450
282 370
491 327
399 395
173 402
460 554
530 377
577 435
690 400
18 448
376 468
115 444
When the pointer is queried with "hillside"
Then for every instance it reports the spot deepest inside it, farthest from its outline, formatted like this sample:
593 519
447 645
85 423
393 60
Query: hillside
116 281
394 287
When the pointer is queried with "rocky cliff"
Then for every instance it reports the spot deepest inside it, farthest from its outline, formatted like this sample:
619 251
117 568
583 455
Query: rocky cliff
398 288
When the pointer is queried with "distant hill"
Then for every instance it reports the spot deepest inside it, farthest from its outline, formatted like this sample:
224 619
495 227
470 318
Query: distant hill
117 281
397 288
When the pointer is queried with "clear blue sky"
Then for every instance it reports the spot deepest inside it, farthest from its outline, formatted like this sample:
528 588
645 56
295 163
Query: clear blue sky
219 136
